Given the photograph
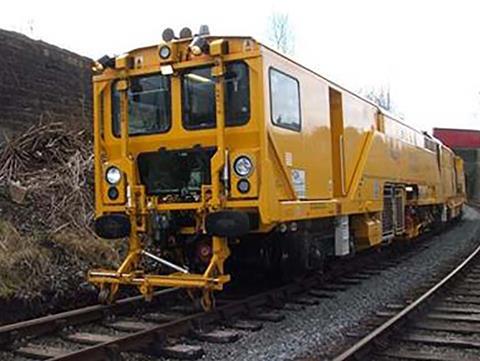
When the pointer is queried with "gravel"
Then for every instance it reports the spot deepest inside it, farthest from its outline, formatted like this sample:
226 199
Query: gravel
316 331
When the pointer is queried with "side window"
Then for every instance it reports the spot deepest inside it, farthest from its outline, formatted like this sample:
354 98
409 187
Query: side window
284 100
430 145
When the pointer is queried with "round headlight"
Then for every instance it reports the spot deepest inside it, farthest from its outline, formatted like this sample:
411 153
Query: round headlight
164 52
114 175
243 166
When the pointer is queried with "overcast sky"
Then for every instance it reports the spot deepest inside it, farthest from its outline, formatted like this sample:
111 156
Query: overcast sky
427 52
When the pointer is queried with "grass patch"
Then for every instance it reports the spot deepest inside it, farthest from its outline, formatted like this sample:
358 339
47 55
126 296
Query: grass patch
30 265
88 248
23 262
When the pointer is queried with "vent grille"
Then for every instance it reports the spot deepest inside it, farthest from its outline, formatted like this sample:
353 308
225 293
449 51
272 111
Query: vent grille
388 214
399 211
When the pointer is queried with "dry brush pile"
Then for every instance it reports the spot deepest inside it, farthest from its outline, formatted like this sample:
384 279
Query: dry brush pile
46 210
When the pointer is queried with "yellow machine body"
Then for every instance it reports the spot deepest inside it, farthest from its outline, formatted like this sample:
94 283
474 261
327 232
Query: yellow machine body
316 151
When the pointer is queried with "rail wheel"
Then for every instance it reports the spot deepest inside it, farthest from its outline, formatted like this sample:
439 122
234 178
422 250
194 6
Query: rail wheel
207 301
107 294
203 302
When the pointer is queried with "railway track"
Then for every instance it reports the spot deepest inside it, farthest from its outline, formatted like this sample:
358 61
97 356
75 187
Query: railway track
441 324
106 332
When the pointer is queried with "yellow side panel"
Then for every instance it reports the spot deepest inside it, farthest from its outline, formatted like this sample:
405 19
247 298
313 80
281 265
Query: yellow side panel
398 156
359 118
309 150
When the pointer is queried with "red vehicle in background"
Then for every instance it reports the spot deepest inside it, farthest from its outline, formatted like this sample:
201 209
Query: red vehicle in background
466 143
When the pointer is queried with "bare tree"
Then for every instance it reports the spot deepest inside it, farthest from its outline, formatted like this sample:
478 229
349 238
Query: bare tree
280 33
380 96
383 98
31 26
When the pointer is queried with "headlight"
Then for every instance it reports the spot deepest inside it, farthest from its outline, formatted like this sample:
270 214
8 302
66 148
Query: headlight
243 166
113 175
164 52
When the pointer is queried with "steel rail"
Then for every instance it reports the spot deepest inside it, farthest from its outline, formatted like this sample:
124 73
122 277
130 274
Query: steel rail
366 341
52 323
155 336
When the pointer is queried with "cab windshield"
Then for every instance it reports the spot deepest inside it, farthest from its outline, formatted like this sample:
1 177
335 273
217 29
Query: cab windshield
150 100
149 105
198 96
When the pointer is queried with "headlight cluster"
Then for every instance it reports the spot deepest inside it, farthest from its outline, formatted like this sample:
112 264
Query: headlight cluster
243 167
113 176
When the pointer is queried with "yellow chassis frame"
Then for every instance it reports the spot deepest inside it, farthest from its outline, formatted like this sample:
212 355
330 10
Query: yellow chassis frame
211 280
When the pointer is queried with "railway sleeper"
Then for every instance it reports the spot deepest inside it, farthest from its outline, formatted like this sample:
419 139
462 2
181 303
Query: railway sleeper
158 317
463 300
451 341
445 326
40 352
306 301
131 325
463 310
246 325
183 351
269 316
293 306
426 355
217 336
86 338
454 317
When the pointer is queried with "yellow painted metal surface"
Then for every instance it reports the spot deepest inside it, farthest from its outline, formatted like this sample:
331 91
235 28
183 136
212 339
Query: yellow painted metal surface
338 163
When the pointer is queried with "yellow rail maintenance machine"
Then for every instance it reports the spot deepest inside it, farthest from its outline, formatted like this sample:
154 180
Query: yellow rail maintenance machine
212 148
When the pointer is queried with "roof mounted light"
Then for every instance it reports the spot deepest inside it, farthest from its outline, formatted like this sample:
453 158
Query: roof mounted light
103 63
168 35
185 33
198 45
204 30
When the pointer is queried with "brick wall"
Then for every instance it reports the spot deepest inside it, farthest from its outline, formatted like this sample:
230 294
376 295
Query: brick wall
39 80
